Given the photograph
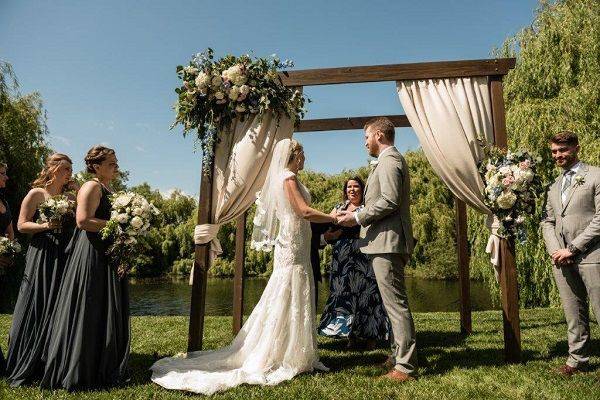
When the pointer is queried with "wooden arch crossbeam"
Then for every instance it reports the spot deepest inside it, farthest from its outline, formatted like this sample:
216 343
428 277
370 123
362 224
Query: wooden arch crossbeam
494 69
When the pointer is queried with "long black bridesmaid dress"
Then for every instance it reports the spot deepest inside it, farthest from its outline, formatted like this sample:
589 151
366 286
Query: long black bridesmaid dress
5 221
89 339
44 265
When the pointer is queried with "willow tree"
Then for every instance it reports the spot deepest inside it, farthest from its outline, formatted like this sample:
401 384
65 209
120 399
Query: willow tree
555 86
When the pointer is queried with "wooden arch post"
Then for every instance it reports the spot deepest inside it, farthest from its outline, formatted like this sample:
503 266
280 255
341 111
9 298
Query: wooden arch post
494 69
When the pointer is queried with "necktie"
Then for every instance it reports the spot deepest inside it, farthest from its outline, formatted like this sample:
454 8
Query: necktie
566 185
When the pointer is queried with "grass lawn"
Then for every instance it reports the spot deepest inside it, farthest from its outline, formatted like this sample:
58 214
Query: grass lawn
452 366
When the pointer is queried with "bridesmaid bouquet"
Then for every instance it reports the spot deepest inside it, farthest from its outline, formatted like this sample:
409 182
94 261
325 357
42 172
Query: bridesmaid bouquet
131 217
56 208
512 186
9 248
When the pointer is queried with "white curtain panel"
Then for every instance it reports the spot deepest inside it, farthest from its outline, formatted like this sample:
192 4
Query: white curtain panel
451 118
242 159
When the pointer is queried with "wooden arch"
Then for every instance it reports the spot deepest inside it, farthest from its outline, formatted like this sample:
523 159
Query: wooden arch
494 69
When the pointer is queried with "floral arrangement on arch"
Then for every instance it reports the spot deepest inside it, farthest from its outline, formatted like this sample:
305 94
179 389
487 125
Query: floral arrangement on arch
512 186
214 93
132 216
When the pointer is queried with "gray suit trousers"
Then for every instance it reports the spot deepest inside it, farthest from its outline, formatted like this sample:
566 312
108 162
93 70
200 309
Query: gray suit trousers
579 285
389 272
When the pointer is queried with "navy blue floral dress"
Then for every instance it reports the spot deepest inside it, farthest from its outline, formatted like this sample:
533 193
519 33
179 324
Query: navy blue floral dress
354 307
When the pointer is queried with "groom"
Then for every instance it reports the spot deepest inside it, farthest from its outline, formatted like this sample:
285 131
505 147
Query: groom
386 234
571 228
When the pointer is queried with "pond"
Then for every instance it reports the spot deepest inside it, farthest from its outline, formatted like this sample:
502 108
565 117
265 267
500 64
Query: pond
171 296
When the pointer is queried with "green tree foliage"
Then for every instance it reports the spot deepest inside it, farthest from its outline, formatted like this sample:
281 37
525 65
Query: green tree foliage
555 86
23 134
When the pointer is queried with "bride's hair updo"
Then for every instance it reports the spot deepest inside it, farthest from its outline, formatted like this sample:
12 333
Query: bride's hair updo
296 149
95 156
46 176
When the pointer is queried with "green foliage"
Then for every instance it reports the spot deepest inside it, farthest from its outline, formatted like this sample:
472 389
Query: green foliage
23 134
555 86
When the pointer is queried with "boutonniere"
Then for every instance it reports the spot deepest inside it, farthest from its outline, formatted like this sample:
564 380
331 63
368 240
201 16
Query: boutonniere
373 163
579 180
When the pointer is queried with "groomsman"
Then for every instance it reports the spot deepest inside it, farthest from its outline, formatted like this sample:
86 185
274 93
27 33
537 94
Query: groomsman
571 229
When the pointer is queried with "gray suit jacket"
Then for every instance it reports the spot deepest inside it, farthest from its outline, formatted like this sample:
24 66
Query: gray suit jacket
577 221
385 220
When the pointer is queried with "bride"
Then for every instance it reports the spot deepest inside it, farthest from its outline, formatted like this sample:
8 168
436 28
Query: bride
278 341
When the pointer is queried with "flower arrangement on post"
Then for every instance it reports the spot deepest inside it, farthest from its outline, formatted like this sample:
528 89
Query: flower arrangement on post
215 93
130 220
511 187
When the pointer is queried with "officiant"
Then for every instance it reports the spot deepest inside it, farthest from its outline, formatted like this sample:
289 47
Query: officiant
354 308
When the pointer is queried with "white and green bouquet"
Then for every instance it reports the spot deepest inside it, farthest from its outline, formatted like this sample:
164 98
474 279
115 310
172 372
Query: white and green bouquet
58 208
8 247
131 218
512 186
214 93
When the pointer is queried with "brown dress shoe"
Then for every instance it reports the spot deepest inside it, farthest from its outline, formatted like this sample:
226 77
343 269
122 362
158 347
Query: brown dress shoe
567 370
398 376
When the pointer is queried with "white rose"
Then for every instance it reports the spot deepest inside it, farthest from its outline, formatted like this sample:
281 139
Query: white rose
244 90
234 93
137 222
240 80
219 95
122 218
138 211
202 80
216 81
505 170
506 200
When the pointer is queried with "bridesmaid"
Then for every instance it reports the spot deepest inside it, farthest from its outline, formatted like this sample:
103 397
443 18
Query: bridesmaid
6 229
44 263
89 339
354 309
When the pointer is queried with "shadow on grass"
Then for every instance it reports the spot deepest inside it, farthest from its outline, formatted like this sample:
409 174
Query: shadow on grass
561 349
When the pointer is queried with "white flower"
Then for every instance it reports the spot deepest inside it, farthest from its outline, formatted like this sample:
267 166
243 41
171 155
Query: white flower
506 200
122 218
138 211
190 70
505 170
240 80
579 180
234 93
202 80
219 95
244 90
137 222
216 81
240 108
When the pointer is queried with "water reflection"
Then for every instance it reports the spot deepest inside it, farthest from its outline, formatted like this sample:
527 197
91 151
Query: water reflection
168 296
172 296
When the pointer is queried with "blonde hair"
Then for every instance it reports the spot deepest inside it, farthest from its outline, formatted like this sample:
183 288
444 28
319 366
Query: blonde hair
95 156
296 149
46 176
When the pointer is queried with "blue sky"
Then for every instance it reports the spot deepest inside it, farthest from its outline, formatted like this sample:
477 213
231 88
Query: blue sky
106 69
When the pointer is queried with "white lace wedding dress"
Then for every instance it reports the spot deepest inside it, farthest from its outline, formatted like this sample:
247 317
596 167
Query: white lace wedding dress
278 341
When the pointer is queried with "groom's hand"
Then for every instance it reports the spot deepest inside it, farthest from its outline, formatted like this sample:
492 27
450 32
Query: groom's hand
562 257
346 218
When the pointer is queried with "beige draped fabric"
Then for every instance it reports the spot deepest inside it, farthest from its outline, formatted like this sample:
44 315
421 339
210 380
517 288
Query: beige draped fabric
450 117
242 159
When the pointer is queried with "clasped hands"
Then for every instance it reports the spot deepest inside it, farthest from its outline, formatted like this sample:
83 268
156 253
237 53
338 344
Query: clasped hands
562 257
344 218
